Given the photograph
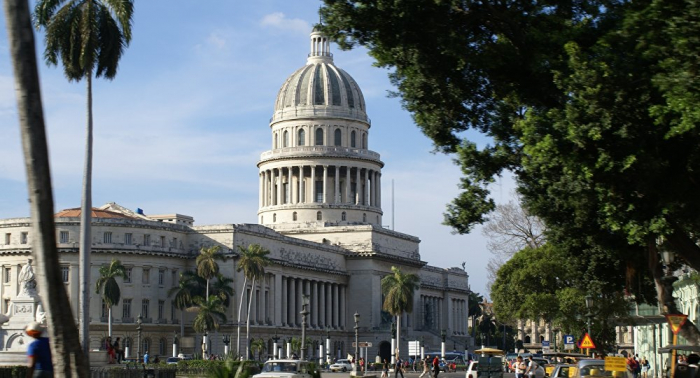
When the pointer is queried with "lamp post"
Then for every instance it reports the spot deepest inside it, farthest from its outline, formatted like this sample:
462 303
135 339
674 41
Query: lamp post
328 344
226 339
275 347
357 344
174 343
443 334
555 330
304 312
138 333
393 343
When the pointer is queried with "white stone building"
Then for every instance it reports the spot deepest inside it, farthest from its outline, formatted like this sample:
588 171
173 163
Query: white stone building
320 216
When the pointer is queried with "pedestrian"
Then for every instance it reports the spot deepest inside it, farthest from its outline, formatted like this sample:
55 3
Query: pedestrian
519 367
38 352
398 368
531 367
632 366
645 367
436 366
426 366
145 358
118 350
110 350
385 369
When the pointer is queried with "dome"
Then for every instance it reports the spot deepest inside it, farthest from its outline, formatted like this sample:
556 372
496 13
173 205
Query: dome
320 89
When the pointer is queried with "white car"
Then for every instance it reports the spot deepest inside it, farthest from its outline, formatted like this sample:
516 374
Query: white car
284 369
472 369
341 365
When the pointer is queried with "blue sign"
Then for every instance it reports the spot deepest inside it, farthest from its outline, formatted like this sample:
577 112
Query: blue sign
545 344
569 339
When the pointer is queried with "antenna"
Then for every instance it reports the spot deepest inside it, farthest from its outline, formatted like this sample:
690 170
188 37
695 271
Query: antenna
393 210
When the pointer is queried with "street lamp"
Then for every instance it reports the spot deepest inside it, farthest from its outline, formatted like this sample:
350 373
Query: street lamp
275 347
357 344
305 302
174 343
393 343
328 344
139 320
443 334
226 339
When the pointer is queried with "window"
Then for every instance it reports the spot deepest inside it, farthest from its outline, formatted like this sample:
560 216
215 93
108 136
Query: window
146 276
302 136
173 311
127 239
63 237
319 216
146 346
65 271
126 308
319 191
107 238
343 216
285 139
294 215
364 141
127 343
274 217
24 237
352 139
274 141
144 307
161 309
161 276
319 137
127 275
146 239
174 277
337 138
7 274
7 238
161 346
162 241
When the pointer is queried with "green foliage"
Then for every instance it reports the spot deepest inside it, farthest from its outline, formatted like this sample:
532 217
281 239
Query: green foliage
207 266
210 314
190 286
398 289
253 261
107 284
314 370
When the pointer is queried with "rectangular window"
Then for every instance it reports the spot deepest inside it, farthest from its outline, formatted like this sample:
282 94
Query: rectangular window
174 277
108 238
173 311
127 239
147 240
7 275
7 238
24 238
63 237
174 242
126 308
146 277
161 310
161 277
319 191
127 275
65 271
144 308
162 241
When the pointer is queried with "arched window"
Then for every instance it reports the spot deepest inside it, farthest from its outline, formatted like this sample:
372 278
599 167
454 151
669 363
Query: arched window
352 139
302 136
294 215
146 345
364 141
343 216
274 217
319 137
364 217
319 216
337 138
161 346
285 140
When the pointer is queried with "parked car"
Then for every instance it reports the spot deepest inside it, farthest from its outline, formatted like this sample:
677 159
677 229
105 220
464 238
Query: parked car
561 371
341 365
590 368
472 369
284 369
173 360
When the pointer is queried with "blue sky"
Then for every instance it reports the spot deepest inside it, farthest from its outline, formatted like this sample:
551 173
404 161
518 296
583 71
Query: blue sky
181 127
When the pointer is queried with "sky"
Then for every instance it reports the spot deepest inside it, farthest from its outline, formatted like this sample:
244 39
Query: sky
181 127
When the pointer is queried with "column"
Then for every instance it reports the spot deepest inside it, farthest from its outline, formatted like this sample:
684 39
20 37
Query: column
261 190
342 307
358 189
314 305
289 185
322 305
347 185
300 299
313 184
372 190
255 303
279 187
285 300
336 306
366 193
301 184
379 189
292 302
329 305
325 184
263 307
266 188
336 189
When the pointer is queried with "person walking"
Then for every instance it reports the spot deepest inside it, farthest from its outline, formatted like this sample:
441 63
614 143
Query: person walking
118 350
436 366
645 367
38 352
531 367
145 358
426 367
385 369
398 368
519 367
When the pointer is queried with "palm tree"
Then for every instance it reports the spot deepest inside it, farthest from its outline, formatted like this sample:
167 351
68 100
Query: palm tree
210 314
258 345
222 288
108 286
398 289
190 286
68 358
253 261
207 267
89 36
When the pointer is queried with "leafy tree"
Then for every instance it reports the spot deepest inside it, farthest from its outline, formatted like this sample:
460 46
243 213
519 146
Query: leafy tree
210 314
109 288
88 36
207 266
591 104
258 346
252 262
222 289
190 286
68 357
398 289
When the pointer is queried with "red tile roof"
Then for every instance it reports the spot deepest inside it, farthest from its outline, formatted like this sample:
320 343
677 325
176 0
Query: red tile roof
96 213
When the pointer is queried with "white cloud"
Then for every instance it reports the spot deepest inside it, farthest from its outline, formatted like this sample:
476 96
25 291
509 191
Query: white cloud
280 21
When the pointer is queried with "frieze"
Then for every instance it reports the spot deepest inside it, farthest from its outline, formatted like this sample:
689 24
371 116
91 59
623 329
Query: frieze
309 259
24 309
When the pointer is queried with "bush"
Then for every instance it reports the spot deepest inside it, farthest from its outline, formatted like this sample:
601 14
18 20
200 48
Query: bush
314 370
13 371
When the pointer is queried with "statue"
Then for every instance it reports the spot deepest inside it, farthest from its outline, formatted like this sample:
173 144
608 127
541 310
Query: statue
27 280
40 315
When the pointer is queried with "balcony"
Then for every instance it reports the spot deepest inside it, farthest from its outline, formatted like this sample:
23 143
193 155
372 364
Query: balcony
127 320
319 150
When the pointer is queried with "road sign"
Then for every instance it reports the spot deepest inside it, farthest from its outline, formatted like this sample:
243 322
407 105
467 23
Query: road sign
545 345
362 344
414 348
676 321
615 364
569 346
569 342
587 342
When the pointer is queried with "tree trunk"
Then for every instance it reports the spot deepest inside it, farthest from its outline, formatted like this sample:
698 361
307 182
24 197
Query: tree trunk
109 322
182 324
238 320
86 227
247 324
68 358
398 335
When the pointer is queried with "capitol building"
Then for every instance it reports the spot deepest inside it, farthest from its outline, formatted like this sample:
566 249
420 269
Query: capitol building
320 216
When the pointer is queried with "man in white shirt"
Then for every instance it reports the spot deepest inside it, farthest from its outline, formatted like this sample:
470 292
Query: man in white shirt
531 367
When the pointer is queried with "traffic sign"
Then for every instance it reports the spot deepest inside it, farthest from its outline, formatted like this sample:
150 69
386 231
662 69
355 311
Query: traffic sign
587 342
414 348
676 321
569 342
615 364
362 344
545 345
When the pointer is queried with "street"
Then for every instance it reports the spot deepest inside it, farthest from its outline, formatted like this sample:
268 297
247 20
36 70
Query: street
458 374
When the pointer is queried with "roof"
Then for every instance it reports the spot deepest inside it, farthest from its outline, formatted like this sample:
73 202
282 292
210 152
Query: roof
96 213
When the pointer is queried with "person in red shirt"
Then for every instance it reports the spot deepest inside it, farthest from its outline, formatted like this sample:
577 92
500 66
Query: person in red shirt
436 366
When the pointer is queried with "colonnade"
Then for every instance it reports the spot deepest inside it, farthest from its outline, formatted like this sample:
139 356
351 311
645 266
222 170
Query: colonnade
327 303
459 316
333 184
432 312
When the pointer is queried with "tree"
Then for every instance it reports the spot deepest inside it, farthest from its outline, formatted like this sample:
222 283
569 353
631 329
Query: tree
252 262
258 346
210 314
222 289
68 357
474 308
88 36
190 286
207 267
591 104
398 289
109 288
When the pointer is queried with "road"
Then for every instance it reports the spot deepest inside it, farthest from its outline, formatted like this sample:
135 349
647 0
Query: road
459 374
